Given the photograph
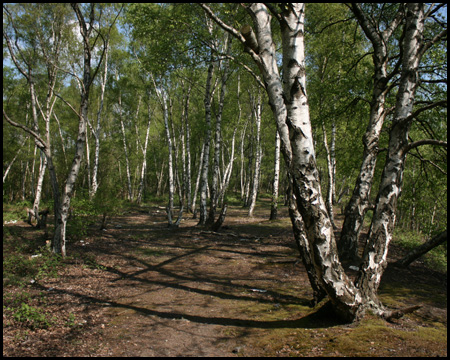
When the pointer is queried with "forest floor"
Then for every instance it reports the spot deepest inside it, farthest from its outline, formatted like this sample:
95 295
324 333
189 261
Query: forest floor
143 289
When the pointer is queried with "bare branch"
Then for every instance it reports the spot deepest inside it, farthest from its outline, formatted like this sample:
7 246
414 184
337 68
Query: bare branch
423 160
418 143
224 26
442 103
71 107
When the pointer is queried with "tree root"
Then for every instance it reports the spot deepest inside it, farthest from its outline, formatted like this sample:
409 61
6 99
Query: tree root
397 314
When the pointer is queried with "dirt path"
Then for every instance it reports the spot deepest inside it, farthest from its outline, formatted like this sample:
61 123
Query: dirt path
146 290
178 296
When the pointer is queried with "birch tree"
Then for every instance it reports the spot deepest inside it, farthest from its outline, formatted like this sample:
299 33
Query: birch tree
256 105
90 38
355 211
289 102
381 230
276 179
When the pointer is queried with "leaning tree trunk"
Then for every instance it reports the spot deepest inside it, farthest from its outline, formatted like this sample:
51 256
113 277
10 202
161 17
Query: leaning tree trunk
290 107
382 227
417 252
359 203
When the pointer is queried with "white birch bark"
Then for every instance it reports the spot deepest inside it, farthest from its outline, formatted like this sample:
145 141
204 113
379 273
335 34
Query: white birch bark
197 181
289 104
205 165
381 230
218 138
187 132
125 147
163 97
144 159
228 170
276 179
329 198
254 191
96 132
358 205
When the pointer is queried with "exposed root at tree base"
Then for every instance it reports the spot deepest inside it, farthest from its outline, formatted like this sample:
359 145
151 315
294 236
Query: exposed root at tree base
397 314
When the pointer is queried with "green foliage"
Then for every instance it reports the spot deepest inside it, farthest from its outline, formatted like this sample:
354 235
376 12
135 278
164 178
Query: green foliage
15 211
27 310
21 268
175 43
32 317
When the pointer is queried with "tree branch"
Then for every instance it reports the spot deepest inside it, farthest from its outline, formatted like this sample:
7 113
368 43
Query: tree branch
42 144
442 103
418 143
232 31
224 26
71 107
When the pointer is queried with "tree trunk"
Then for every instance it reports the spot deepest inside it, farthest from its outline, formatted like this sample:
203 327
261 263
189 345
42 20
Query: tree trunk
37 199
289 104
197 182
125 148
163 98
218 138
62 208
228 170
276 179
382 227
187 132
329 198
205 164
96 132
358 205
254 192
144 159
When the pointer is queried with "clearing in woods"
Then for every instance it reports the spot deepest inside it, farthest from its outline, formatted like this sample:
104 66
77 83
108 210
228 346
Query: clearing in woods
142 289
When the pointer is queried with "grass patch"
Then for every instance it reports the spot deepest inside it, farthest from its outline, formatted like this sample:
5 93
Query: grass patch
150 251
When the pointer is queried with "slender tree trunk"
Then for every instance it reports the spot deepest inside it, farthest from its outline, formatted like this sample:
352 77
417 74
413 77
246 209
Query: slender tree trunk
197 182
228 170
218 137
329 198
254 192
205 165
96 132
144 160
40 182
125 148
276 179
62 208
243 162
163 97
188 175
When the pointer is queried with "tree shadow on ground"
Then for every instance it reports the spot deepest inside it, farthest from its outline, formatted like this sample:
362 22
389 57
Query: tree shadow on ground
322 318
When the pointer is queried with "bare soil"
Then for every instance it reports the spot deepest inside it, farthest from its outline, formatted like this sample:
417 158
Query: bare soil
143 289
